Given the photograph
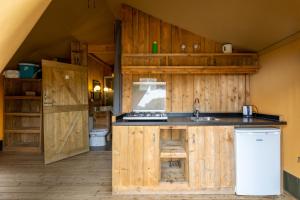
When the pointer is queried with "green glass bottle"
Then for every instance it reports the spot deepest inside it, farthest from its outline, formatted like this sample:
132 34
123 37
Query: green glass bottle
154 47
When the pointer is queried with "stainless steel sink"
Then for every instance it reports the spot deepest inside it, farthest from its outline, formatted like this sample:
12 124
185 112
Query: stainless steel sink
204 119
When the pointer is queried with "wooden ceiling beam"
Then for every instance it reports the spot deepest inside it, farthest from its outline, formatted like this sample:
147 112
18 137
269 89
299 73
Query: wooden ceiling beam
99 60
101 48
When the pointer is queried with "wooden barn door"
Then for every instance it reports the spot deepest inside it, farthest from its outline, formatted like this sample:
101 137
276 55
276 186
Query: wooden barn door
65 109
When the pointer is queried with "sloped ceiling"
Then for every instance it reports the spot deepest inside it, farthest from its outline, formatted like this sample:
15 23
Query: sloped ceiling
63 21
247 24
17 18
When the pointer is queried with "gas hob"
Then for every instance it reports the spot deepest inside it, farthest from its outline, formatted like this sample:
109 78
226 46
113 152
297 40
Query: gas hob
145 116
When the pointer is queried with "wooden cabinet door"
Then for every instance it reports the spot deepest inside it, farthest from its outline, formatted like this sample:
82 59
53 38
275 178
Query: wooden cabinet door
195 156
65 110
211 157
135 156
151 156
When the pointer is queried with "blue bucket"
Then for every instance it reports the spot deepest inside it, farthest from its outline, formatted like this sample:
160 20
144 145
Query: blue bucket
28 70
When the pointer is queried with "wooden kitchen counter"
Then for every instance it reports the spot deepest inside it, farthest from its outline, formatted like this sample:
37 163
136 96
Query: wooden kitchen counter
173 159
179 155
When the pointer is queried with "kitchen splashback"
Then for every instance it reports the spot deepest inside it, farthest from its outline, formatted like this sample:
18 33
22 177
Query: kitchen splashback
217 93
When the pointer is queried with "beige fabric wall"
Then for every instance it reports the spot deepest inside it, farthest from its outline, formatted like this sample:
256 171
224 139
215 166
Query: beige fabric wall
17 18
275 89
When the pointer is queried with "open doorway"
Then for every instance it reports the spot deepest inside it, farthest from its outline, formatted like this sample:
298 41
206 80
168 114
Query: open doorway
100 80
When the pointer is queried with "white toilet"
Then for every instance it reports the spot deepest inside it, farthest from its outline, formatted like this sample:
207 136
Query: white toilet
97 136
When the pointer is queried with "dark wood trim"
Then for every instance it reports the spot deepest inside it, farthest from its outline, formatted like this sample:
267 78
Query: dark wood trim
97 59
291 184
117 104
1 145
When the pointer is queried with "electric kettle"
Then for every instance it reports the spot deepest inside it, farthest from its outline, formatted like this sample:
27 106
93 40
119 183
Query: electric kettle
247 111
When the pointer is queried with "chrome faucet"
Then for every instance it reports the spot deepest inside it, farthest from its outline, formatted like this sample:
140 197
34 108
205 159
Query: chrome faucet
196 107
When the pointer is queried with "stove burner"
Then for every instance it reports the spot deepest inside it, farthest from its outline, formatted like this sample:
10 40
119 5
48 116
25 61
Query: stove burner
145 116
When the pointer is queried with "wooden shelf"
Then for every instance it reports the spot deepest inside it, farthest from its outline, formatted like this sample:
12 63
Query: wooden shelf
23 97
172 149
24 79
172 154
173 173
186 54
20 114
23 130
245 69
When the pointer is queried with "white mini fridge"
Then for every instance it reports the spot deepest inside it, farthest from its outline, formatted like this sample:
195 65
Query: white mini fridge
258 168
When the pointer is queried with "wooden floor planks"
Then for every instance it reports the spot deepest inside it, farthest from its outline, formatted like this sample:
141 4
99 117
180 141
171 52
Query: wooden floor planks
83 177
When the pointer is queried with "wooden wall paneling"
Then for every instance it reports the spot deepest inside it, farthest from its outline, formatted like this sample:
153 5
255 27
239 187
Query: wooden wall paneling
135 36
188 39
158 77
147 47
235 92
127 93
127 33
203 50
223 93
217 93
214 93
136 77
206 92
165 40
188 93
199 90
135 159
176 43
247 89
168 79
241 92
142 37
151 165
177 93
217 104
230 93
154 35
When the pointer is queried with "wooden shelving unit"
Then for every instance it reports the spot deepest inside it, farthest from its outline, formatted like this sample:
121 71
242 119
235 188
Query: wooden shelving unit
173 155
190 63
172 149
23 97
22 115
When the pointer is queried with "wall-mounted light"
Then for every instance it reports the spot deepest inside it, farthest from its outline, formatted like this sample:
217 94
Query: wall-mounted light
106 89
183 47
96 90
